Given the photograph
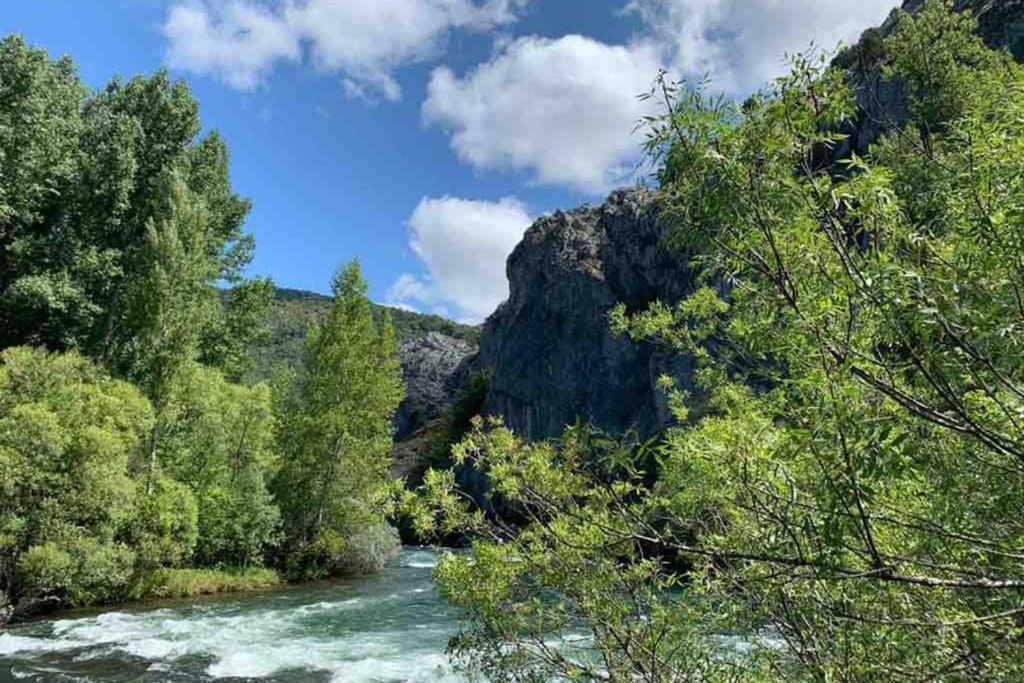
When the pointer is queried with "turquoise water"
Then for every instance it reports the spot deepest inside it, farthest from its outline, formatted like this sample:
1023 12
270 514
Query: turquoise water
390 627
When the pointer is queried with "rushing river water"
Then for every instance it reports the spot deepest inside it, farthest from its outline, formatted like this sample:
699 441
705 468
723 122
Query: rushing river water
391 627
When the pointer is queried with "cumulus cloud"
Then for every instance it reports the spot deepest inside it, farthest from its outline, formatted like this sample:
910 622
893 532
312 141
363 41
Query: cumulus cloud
241 40
562 109
742 43
238 42
463 245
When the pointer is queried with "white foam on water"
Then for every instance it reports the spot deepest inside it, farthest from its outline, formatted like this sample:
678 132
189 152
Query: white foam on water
328 606
257 643
419 559
11 644
431 668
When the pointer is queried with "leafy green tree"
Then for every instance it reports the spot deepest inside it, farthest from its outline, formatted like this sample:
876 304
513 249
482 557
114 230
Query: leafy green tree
336 430
100 193
118 225
848 497
68 437
221 444
40 123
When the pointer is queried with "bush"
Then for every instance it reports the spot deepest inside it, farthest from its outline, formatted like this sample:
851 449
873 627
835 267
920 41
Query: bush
82 570
47 569
367 551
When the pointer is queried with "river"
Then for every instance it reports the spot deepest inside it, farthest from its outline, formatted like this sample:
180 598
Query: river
390 627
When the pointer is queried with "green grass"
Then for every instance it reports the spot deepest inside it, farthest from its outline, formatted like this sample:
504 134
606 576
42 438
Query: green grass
187 583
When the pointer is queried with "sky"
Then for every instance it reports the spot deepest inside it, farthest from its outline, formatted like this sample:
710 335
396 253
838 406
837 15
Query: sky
424 136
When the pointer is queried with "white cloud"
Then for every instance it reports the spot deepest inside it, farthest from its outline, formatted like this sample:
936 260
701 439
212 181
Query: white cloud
562 109
241 40
402 306
463 245
742 43
238 42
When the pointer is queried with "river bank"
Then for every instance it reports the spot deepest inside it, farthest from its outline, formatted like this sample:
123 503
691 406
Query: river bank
158 585
392 626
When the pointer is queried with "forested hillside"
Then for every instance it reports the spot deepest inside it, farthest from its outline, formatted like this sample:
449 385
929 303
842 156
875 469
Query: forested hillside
292 311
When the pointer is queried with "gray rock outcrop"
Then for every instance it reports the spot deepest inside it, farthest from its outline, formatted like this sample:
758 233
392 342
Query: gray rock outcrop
434 367
549 353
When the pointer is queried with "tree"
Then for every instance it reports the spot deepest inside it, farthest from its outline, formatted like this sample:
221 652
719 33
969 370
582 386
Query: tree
220 443
336 431
68 437
40 123
849 494
94 185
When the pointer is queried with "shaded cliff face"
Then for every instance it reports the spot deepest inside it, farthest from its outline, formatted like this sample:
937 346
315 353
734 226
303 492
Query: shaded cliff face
434 368
549 353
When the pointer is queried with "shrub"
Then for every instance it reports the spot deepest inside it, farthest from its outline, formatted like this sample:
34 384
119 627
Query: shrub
367 551
81 570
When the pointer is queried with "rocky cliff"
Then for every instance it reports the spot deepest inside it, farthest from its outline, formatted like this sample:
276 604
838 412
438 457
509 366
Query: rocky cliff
548 350
434 367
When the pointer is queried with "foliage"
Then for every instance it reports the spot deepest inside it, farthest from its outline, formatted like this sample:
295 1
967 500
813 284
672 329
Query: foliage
367 550
848 498
336 429
116 222
68 434
132 458
220 443
81 569
165 529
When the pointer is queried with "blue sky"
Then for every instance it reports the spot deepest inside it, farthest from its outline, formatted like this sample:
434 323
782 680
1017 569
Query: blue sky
423 136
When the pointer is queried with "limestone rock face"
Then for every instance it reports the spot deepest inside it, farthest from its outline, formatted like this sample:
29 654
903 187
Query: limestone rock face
548 350
434 367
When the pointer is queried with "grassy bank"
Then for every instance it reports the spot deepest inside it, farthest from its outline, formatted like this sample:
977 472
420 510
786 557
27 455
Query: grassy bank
185 583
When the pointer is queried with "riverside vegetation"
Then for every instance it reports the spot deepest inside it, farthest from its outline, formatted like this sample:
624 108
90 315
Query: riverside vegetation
839 499
134 461
845 482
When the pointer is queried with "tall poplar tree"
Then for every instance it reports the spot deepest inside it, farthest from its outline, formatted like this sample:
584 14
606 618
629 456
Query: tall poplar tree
337 431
